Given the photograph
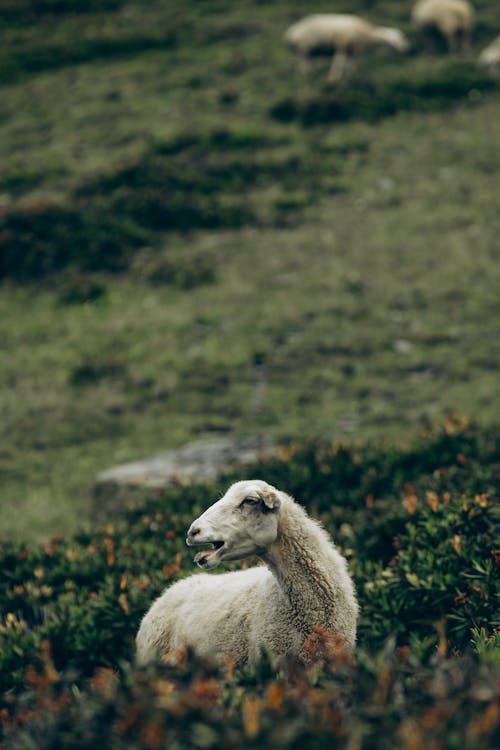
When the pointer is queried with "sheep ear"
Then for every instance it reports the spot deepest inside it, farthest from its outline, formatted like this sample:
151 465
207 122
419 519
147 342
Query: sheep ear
270 500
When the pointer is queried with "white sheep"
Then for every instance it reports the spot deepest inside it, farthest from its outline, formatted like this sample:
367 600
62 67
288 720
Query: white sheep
490 56
451 19
345 35
304 583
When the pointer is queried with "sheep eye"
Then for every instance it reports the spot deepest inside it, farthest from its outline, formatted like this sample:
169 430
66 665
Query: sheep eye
250 501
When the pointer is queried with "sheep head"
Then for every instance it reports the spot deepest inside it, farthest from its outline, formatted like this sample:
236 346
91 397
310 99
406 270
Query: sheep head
242 523
393 38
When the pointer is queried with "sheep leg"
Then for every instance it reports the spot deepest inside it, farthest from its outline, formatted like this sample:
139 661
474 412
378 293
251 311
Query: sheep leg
466 44
338 68
451 43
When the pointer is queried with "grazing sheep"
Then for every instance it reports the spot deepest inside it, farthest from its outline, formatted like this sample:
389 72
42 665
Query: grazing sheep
490 56
344 35
275 607
450 19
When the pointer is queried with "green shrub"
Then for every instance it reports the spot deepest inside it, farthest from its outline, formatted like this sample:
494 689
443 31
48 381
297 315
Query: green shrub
386 700
419 528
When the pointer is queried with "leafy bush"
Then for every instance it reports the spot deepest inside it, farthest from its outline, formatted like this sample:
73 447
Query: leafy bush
385 701
418 526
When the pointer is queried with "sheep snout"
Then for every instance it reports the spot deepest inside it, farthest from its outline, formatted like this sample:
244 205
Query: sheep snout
192 532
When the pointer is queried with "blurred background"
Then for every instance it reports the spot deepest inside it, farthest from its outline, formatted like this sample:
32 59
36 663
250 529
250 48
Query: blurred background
201 235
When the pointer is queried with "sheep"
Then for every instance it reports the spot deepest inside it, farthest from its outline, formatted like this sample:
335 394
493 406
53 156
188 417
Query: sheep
266 608
490 56
344 35
451 19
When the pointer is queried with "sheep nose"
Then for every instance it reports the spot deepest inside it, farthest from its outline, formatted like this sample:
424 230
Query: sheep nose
193 531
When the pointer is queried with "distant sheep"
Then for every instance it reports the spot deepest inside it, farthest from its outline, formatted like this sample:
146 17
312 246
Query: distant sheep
453 20
490 57
275 607
347 36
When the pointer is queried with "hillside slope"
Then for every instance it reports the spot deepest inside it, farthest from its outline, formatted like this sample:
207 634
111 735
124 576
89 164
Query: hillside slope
196 238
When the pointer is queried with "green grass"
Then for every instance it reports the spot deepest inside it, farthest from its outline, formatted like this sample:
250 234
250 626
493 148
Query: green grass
176 261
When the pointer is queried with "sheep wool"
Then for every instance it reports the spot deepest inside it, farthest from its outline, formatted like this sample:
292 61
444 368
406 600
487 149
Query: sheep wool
490 56
272 607
347 36
452 19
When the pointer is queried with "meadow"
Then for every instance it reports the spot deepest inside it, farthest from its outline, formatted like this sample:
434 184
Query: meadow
197 238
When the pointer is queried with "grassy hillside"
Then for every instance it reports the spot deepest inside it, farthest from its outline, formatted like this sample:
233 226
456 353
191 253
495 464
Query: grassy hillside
194 237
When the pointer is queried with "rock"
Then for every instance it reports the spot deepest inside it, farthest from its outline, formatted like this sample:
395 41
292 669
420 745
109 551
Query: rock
201 460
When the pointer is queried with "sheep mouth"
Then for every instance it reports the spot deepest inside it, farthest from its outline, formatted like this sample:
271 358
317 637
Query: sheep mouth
203 557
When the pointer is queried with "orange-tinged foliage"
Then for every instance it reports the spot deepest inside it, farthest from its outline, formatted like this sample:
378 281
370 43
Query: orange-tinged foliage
125 723
489 719
205 692
442 647
410 502
109 545
285 452
432 500
171 569
123 601
152 735
457 543
105 681
274 696
481 500
163 690
251 711
324 646
411 735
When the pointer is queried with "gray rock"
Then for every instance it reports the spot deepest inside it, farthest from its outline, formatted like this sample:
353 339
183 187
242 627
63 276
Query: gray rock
201 460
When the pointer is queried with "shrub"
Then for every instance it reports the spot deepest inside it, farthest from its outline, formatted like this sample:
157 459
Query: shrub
384 701
418 526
